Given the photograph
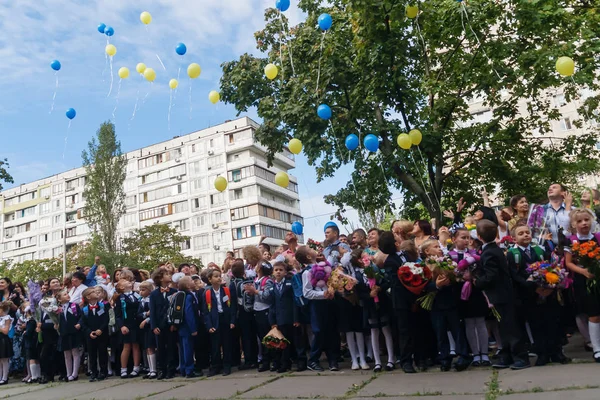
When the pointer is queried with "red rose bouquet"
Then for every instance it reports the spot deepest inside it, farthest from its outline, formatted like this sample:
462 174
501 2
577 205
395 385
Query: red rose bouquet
274 340
414 276
316 246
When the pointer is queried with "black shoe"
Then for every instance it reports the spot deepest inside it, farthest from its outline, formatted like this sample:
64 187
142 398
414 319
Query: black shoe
476 364
160 376
390 367
588 347
461 364
542 360
200 373
226 371
368 359
62 378
43 380
409 369
88 373
445 366
315 367
518 365
501 364
170 375
560 358
263 368
301 366
283 369
274 367
421 365
93 378
211 373
377 368
191 375
101 377
334 367
244 367
597 357
486 363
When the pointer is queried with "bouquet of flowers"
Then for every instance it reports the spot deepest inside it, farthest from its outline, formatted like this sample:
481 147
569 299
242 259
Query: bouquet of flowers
313 244
341 282
35 296
371 273
536 221
414 276
319 274
49 305
588 255
463 273
438 266
507 241
274 340
549 275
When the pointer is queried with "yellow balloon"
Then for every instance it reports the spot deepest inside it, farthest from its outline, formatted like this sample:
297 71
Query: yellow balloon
415 136
412 11
194 70
271 71
123 72
214 96
173 83
282 179
295 146
110 49
404 141
565 66
220 183
149 74
145 17
140 68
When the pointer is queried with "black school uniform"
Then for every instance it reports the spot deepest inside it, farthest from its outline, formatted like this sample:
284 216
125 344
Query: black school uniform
6 345
202 339
245 318
147 337
282 314
48 352
586 302
30 341
126 312
96 317
166 341
220 321
69 337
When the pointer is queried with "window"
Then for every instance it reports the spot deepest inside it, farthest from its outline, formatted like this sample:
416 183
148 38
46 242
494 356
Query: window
217 199
11 201
72 184
181 225
161 193
195 168
271 231
42 254
71 232
211 143
185 245
559 100
45 208
156 212
45 192
239 213
130 220
231 140
214 162
9 217
56 205
27 197
199 203
218 217
236 175
26 212
200 221
57 188
182 206
70 200
237 194
245 232
201 242
44 238
193 148
71 216
219 237
199 184
130 201
57 235
57 220
565 124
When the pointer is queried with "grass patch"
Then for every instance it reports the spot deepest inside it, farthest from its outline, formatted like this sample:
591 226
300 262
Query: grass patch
275 378
356 388
493 390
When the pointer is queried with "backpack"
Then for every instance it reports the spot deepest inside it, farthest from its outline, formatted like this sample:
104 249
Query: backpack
176 307
86 309
208 296
244 299
517 253
299 298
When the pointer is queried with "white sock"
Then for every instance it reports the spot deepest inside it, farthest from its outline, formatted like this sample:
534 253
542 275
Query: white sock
5 368
389 343
152 362
69 362
123 371
482 335
2 369
594 328
451 342
28 370
476 358
360 344
582 326
484 357
35 371
375 344
369 347
136 369
528 330
76 361
351 346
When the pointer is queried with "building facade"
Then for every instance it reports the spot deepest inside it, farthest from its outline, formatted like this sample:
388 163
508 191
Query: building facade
171 182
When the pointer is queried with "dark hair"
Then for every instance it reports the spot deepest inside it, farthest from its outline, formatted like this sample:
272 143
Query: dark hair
459 230
20 285
302 255
280 264
182 266
375 229
387 243
335 228
231 252
158 276
487 230
393 223
266 268
237 268
211 272
79 275
266 246
356 258
562 187
515 200
204 275
136 274
114 275
360 231
343 234
425 226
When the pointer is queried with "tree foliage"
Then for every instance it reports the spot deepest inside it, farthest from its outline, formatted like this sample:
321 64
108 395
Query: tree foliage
4 175
153 245
385 74
105 167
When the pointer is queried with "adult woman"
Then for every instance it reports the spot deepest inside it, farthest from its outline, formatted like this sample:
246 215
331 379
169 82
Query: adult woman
17 361
7 292
373 241
590 198
51 359
521 210
421 231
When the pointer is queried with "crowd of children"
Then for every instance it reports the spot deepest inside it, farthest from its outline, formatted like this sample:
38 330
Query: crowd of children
184 322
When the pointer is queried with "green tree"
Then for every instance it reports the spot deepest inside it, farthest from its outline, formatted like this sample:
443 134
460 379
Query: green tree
32 270
4 175
385 74
105 168
153 245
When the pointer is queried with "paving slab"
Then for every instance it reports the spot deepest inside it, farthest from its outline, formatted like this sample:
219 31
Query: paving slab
583 394
68 390
211 389
15 389
450 397
550 377
141 390
307 386
434 383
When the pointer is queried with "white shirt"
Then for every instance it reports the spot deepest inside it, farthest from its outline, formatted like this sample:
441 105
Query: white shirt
218 297
5 319
308 291
75 293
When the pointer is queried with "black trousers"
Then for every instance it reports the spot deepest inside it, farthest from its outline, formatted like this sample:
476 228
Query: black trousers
444 321
49 362
98 350
301 343
326 335
545 324
263 327
247 325
202 348
220 339
406 321
166 351
281 358
511 335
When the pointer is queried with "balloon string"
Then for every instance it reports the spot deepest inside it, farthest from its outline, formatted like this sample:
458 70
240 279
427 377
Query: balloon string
169 114
429 178
280 46
55 90
111 77
148 94
466 15
152 45
66 139
320 56
105 62
137 99
290 50
190 95
422 181
117 99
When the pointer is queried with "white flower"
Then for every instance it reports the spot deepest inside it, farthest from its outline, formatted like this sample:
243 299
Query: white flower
416 270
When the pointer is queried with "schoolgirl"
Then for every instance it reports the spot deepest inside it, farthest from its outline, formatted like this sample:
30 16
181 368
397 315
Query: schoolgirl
30 345
70 340
127 304
263 285
6 349
148 338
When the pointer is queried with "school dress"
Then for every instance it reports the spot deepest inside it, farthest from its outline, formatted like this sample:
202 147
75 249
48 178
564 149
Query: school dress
69 337
96 317
351 315
30 341
586 303
126 309
147 337
6 347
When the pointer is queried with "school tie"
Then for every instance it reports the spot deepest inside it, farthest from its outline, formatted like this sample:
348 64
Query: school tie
280 287
528 252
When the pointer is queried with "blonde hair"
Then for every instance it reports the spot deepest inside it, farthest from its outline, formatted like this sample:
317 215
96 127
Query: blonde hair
98 269
252 255
185 283
406 227
426 245
61 293
147 285
409 248
578 211
127 275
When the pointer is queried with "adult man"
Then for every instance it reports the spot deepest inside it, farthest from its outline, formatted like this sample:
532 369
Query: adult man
359 239
90 279
78 287
556 212
334 247
343 238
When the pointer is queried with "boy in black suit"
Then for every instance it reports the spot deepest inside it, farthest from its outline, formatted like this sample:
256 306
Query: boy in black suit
494 279
219 318
94 325
281 313
166 337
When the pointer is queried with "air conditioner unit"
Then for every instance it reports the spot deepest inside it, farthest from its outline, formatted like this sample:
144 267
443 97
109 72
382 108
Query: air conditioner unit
47 197
179 177
215 226
211 152
8 235
177 159
70 206
209 167
216 247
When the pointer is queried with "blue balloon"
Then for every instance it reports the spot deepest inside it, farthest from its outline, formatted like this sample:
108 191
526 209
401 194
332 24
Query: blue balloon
324 112
109 31
71 113
101 28
55 65
352 142
325 21
371 142
180 49
282 5
297 228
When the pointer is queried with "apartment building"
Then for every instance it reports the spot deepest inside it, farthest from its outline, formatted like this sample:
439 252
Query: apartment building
167 183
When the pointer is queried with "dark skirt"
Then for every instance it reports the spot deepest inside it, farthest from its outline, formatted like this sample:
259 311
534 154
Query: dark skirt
6 346
32 353
351 317
70 342
147 338
378 315
475 307
585 302
134 333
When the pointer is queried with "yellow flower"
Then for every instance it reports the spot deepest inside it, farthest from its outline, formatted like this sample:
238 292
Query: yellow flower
552 278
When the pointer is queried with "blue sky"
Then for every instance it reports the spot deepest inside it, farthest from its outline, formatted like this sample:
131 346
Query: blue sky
34 33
